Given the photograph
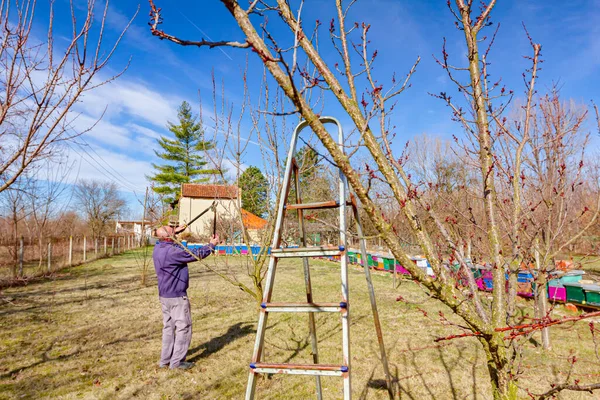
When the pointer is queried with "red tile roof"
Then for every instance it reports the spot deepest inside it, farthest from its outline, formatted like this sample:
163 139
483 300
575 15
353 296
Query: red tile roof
252 221
200 191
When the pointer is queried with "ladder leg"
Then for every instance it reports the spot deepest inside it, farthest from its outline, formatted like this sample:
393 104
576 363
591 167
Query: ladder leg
261 328
342 185
346 328
363 249
309 297
312 326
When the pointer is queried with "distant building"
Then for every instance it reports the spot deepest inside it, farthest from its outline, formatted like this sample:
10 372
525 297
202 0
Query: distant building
133 227
196 198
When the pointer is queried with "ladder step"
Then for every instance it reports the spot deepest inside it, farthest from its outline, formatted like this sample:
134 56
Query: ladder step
313 206
305 307
299 369
307 252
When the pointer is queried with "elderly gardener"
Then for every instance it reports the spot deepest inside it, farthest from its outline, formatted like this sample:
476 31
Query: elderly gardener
170 263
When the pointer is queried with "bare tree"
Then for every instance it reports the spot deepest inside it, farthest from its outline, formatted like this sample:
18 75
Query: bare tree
101 203
14 205
46 189
226 127
302 68
41 82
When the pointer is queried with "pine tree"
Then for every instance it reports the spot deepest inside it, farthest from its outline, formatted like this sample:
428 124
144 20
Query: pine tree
313 177
254 187
185 163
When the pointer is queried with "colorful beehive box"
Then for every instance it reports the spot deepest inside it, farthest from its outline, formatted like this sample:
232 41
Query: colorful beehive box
377 261
486 274
592 294
525 277
525 285
525 289
400 269
370 261
575 292
359 257
351 257
572 276
388 264
488 284
556 291
423 264
480 283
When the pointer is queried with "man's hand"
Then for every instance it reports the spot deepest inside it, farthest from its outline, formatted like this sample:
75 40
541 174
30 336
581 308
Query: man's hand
215 240
180 229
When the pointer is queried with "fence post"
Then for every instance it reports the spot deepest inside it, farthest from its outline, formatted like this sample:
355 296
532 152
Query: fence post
119 245
84 249
21 251
112 246
70 251
105 250
96 247
49 256
394 272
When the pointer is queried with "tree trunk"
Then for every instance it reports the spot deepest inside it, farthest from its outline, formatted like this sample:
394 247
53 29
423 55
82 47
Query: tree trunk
41 250
503 385
16 250
511 300
541 299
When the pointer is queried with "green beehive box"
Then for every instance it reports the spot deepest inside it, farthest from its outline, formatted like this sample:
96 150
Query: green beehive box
352 257
388 264
592 294
371 263
572 276
575 292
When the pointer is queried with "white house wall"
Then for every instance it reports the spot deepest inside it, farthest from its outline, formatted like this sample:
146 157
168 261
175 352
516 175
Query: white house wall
190 207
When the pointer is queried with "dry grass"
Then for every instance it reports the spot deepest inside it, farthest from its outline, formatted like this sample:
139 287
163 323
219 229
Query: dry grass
94 333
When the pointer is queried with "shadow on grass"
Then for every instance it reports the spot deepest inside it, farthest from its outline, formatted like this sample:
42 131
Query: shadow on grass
46 358
41 307
216 344
433 377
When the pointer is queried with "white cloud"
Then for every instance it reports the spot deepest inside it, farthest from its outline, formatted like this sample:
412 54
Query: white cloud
101 164
132 99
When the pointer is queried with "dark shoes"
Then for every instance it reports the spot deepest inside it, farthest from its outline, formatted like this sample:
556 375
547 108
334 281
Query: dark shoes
184 365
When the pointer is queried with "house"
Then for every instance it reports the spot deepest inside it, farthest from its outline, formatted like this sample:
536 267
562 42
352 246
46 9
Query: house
133 227
255 226
196 198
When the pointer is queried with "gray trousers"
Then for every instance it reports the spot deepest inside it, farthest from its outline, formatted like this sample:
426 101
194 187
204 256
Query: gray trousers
177 330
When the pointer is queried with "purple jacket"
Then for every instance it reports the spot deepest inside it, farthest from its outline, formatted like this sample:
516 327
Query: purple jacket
170 264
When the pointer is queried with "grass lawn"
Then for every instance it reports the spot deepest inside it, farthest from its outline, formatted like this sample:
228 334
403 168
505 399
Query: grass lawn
94 333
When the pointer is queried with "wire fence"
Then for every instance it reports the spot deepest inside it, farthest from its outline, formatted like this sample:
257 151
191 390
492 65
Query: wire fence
27 257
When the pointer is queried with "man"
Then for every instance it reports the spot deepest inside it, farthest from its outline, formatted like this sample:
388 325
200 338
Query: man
170 263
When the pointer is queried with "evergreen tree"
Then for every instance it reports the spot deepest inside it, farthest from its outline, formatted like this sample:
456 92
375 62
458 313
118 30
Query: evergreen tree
254 187
313 177
183 156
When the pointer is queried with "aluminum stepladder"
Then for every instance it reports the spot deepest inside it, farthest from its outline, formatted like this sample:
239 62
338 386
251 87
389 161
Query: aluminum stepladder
343 370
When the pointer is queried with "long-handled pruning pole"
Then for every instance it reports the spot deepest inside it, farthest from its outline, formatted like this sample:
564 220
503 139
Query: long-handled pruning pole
213 207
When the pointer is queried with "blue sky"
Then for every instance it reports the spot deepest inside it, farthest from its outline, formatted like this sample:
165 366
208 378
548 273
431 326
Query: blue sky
162 74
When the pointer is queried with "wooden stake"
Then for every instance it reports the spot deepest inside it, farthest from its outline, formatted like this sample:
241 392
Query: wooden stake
21 252
143 233
49 256
70 251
